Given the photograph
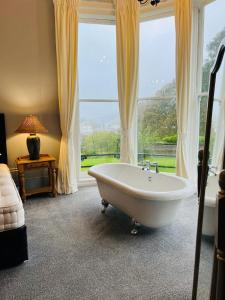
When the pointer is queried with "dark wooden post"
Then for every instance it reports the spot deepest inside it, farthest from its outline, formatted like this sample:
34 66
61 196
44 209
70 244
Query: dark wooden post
220 240
200 164
218 277
200 160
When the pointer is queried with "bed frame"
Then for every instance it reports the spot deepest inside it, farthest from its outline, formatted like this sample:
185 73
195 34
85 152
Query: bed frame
3 149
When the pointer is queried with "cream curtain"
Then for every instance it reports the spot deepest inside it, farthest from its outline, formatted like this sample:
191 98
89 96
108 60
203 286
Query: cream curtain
183 20
66 28
127 37
193 105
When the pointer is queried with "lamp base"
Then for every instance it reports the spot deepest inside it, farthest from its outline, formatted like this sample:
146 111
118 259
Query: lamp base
33 146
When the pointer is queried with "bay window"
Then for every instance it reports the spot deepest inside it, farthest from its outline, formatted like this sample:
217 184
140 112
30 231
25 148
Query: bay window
156 110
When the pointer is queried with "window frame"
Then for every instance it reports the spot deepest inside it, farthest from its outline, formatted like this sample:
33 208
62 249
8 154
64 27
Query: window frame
84 178
166 11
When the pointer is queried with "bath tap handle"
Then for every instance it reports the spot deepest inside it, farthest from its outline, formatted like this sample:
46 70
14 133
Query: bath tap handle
148 164
156 165
211 170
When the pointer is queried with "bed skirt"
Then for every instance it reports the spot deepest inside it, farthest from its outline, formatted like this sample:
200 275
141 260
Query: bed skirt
13 247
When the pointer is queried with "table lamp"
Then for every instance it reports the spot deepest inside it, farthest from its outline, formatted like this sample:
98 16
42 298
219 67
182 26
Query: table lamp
32 125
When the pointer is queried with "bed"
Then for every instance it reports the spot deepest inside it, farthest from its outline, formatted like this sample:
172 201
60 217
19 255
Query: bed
13 233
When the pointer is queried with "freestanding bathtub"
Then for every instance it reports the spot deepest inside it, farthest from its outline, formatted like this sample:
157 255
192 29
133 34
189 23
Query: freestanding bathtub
149 198
209 220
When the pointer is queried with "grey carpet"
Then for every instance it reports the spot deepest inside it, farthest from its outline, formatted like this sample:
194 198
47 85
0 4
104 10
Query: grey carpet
78 253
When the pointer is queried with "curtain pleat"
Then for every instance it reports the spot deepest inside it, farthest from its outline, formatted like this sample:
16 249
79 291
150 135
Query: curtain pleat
193 106
127 37
183 20
66 30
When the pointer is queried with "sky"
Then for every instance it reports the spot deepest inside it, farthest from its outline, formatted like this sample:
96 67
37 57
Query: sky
97 61
215 19
157 55
97 58
98 73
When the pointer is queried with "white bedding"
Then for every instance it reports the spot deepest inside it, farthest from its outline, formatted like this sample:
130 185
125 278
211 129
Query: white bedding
11 207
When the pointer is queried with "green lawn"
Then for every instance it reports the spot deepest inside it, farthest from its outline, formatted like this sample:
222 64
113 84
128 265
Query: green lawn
162 161
92 161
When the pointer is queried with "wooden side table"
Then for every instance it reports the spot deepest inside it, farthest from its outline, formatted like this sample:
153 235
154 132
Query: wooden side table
25 164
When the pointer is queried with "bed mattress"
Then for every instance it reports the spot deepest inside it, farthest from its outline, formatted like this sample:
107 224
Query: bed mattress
11 207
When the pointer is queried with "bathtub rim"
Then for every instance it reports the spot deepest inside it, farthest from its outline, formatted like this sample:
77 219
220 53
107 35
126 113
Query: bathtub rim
176 195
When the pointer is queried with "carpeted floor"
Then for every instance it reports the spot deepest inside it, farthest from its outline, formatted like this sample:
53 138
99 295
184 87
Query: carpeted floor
78 253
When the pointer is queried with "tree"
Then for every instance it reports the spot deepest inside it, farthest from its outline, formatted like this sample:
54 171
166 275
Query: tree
101 142
157 119
212 49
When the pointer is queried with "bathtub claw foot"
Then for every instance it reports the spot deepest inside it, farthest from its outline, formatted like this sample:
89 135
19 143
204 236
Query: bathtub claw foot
105 204
134 231
136 225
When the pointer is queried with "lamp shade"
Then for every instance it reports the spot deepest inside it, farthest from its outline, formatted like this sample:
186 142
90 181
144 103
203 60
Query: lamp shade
31 124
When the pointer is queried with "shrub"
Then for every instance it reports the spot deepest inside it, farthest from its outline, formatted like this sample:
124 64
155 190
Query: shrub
100 142
201 140
171 139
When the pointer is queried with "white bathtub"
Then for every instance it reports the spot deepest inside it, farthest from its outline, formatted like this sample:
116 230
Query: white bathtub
209 220
152 202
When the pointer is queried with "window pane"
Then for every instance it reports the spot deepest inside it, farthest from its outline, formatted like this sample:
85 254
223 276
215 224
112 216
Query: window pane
203 116
157 133
100 136
157 128
97 61
157 58
214 32
99 121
